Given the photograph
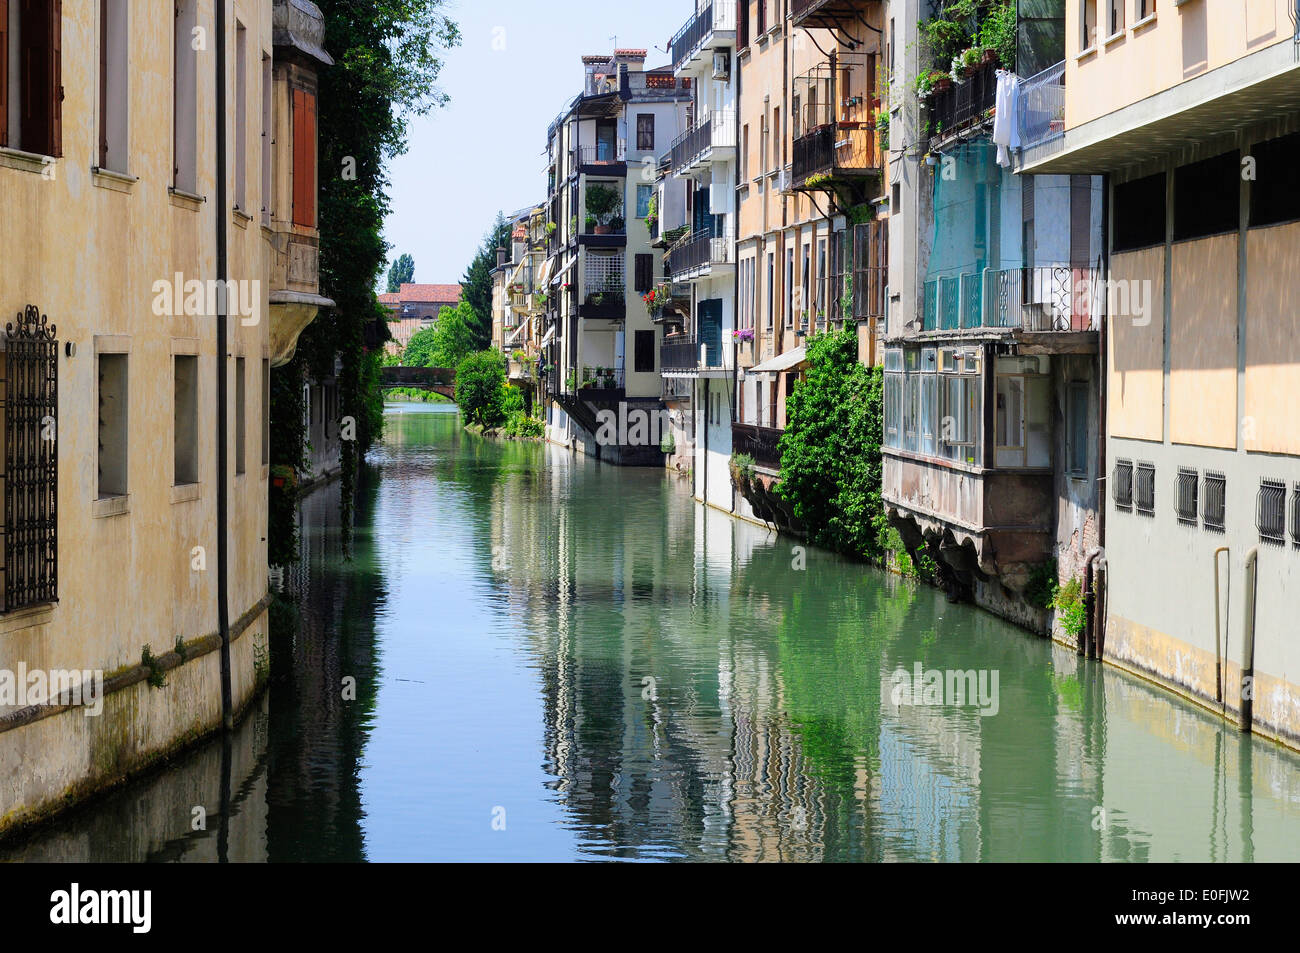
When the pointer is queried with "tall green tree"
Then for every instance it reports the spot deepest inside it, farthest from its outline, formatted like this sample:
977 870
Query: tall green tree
388 57
402 272
476 286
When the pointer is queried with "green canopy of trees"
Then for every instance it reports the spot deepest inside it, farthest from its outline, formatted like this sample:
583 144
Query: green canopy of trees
476 286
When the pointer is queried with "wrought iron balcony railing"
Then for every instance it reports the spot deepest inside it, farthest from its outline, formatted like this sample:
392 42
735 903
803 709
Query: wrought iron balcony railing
699 250
965 103
1042 298
680 354
761 443
718 17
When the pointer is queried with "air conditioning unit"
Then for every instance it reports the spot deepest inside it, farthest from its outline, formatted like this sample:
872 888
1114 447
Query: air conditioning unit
722 64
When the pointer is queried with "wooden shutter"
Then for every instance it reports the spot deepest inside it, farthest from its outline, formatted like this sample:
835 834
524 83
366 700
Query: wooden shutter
304 158
56 78
644 273
4 73
40 77
103 86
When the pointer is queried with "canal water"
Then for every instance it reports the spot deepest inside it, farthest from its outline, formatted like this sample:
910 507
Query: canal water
557 659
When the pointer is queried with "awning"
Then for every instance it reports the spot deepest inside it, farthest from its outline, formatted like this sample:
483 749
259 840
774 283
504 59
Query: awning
564 271
546 338
546 273
782 362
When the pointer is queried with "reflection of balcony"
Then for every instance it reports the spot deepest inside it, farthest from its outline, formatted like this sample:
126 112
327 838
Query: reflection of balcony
710 28
712 139
697 254
1050 298
966 104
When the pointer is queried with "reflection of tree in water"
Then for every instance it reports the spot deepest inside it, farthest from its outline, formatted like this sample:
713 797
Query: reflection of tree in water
323 630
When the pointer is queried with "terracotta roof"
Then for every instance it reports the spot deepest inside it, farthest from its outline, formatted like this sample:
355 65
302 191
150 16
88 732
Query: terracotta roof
640 53
388 297
449 294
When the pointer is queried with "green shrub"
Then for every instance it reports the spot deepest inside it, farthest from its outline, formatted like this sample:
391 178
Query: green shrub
1071 612
1042 585
480 387
519 424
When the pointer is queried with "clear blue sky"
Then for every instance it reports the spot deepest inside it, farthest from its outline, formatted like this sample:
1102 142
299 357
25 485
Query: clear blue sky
484 151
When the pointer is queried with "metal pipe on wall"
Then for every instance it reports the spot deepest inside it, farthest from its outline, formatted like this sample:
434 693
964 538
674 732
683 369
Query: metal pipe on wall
223 424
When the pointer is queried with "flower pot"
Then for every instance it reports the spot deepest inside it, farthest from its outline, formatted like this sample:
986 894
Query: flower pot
602 229
943 85
990 57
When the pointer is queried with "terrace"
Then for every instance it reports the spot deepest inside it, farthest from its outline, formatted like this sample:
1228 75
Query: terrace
1050 298
835 130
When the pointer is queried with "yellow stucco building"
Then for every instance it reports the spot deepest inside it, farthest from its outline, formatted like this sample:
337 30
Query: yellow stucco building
117 214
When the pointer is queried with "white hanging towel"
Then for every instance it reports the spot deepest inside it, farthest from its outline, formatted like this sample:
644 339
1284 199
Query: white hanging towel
1006 134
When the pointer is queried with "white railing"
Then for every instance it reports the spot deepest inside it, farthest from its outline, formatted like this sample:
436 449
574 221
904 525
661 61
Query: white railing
1041 115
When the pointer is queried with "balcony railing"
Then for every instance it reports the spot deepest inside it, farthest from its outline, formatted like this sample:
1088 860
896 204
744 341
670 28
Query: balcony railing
761 443
699 250
1043 298
602 153
682 354
965 103
718 17
1042 107
599 378
717 130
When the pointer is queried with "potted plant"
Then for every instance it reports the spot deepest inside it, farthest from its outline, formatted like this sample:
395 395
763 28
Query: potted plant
591 226
603 202
608 374
617 225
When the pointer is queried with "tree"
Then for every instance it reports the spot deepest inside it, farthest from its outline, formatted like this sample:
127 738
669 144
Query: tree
387 57
453 337
419 350
402 272
476 286
480 387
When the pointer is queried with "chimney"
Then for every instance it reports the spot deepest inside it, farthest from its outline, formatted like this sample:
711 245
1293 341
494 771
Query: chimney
501 257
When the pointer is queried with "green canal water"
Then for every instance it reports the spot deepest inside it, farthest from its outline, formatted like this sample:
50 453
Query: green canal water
558 659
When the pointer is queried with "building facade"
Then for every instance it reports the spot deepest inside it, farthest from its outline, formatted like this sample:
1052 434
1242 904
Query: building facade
1190 112
122 476
601 346
413 308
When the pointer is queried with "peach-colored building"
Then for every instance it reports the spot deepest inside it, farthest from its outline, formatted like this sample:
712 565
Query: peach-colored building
1192 112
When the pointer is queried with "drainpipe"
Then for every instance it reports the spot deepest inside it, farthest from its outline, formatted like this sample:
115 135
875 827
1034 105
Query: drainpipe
1094 574
1219 647
223 425
1248 648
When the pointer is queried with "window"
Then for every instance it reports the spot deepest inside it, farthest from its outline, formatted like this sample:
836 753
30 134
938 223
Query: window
1270 512
241 117
1207 197
789 287
304 158
806 300
266 411
1140 213
762 17
1088 25
185 80
775 138
268 139
645 132
1122 485
643 194
241 415
645 352
645 273
1275 193
1213 503
823 281
1144 489
959 429
771 289
1187 490
1022 414
31 76
113 98
112 444
744 154
185 410
1115 25
1076 429
1145 8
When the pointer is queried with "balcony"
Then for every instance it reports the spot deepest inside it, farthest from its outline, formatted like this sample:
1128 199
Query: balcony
1041 113
679 356
1050 298
712 139
963 105
697 254
710 28
836 123
596 383
603 288
825 14
608 158
761 443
